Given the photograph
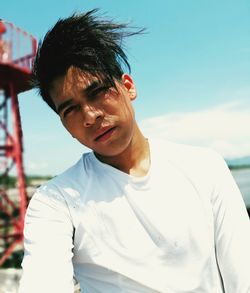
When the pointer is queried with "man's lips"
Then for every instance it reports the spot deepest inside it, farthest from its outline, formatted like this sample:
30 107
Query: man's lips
104 133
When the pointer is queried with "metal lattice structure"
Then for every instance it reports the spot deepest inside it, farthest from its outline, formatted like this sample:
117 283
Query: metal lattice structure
17 50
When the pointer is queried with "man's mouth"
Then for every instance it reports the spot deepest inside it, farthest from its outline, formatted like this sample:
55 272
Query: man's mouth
104 134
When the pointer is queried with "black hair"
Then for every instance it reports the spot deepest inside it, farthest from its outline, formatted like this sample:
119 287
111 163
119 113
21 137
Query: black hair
92 44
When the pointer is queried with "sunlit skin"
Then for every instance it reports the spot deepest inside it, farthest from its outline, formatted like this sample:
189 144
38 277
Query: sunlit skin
102 118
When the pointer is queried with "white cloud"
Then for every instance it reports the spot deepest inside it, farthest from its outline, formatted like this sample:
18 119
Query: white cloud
225 128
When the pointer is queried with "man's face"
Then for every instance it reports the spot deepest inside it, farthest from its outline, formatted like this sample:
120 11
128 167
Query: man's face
97 115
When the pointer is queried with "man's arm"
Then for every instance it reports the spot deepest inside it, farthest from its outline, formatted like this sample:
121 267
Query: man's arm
47 264
232 232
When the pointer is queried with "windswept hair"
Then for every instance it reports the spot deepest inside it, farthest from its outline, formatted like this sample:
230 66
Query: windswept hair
92 44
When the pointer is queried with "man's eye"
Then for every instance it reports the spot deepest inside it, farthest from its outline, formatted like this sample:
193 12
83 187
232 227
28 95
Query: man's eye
99 91
70 109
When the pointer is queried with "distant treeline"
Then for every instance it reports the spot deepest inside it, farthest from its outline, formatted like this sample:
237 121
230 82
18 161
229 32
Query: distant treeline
11 181
238 167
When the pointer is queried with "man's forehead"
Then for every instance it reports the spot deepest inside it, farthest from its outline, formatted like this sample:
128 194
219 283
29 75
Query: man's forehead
75 75
76 80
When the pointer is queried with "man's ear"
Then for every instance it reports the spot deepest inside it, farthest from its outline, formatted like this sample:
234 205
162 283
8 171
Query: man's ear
129 85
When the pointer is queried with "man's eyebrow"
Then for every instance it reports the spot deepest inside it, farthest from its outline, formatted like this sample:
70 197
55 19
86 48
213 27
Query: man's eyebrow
63 105
93 86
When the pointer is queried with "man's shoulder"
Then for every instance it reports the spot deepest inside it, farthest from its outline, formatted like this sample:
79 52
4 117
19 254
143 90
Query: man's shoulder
185 155
70 183
200 165
76 172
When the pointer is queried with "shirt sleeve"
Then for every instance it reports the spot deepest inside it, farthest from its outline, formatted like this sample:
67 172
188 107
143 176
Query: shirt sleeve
232 231
47 264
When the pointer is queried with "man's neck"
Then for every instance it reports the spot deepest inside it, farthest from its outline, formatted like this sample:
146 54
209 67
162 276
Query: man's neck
135 159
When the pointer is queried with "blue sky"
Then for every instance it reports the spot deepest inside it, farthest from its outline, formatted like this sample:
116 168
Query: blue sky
192 71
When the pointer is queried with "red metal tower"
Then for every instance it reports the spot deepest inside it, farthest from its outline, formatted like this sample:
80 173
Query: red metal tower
17 50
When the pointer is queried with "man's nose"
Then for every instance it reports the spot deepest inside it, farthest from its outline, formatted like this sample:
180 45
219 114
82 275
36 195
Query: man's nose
91 115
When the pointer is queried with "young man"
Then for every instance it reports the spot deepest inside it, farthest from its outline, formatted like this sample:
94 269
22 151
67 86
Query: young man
133 215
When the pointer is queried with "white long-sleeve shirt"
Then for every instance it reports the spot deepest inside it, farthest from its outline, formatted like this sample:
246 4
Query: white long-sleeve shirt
181 228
